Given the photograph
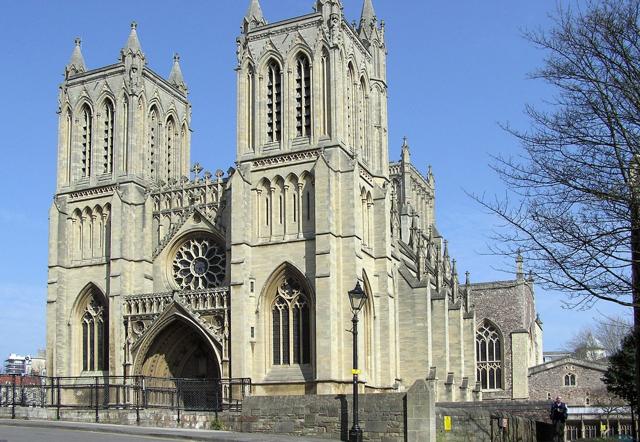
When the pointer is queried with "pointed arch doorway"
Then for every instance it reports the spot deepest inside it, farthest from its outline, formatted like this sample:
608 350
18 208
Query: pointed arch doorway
180 366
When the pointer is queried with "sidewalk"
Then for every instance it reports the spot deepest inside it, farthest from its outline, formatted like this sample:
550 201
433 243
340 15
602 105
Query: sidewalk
172 433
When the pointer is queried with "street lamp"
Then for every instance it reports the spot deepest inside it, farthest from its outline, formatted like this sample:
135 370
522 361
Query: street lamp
357 298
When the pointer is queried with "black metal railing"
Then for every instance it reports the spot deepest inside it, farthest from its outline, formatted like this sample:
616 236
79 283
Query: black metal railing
97 393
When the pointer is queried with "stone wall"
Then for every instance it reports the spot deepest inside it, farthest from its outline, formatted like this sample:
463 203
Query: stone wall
386 417
381 419
473 424
547 382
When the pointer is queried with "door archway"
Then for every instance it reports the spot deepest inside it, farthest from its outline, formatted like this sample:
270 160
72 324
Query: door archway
180 366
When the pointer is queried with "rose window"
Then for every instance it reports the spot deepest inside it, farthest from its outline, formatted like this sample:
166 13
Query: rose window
199 264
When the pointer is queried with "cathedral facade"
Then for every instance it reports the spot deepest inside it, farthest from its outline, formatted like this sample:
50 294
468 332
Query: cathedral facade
159 268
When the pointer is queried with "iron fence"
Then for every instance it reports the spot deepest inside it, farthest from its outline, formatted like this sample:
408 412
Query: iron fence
137 393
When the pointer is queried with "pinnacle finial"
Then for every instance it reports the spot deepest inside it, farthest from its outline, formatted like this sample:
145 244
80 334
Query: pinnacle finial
405 155
519 266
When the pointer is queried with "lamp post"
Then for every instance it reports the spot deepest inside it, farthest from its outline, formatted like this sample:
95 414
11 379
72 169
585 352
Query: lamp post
357 298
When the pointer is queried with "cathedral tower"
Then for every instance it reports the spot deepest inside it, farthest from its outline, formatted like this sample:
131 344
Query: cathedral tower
123 130
312 175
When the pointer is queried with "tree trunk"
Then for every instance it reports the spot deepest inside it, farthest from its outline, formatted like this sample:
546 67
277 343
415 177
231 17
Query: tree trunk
635 281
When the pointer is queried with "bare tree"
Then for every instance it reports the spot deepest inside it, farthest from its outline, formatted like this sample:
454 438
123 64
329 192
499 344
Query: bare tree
605 334
573 204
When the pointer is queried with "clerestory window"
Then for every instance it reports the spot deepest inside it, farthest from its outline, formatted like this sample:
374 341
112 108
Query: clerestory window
488 357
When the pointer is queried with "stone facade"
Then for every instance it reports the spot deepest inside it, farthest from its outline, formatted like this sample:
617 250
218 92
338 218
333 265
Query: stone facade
160 269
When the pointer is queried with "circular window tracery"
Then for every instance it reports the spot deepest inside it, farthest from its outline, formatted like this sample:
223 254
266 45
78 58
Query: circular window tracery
199 264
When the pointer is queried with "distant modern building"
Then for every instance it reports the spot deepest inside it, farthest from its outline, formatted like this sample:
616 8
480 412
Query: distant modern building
25 365
17 364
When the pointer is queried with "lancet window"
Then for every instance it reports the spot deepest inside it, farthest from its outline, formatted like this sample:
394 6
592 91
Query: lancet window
326 93
86 140
350 105
152 142
274 102
94 335
303 96
171 139
251 102
291 325
107 137
489 356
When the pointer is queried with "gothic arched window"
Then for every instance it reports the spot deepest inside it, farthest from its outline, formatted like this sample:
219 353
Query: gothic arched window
303 96
86 142
291 325
108 127
95 328
489 356
274 102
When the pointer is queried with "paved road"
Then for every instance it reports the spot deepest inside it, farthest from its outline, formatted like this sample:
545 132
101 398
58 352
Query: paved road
53 431
26 434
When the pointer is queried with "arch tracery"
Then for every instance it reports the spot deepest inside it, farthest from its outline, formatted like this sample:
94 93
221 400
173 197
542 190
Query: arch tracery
489 350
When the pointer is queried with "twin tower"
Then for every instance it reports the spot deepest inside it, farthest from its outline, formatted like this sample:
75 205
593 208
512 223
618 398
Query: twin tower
158 272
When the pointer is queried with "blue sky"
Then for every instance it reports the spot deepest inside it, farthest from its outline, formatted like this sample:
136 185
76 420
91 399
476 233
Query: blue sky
456 69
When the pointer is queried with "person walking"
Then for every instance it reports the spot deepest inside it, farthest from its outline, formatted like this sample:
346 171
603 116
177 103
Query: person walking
558 415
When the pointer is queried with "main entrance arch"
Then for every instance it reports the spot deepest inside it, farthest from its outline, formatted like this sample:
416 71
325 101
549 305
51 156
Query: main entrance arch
180 351
180 364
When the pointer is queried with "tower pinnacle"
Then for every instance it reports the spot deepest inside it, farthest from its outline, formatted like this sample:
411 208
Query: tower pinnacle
368 17
133 44
76 63
254 17
175 77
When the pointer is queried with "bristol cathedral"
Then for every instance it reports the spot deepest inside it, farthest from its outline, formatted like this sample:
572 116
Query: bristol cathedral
160 268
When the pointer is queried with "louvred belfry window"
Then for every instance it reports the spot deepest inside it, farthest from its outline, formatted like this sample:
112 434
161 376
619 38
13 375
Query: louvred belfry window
489 357
86 141
303 97
107 154
274 102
